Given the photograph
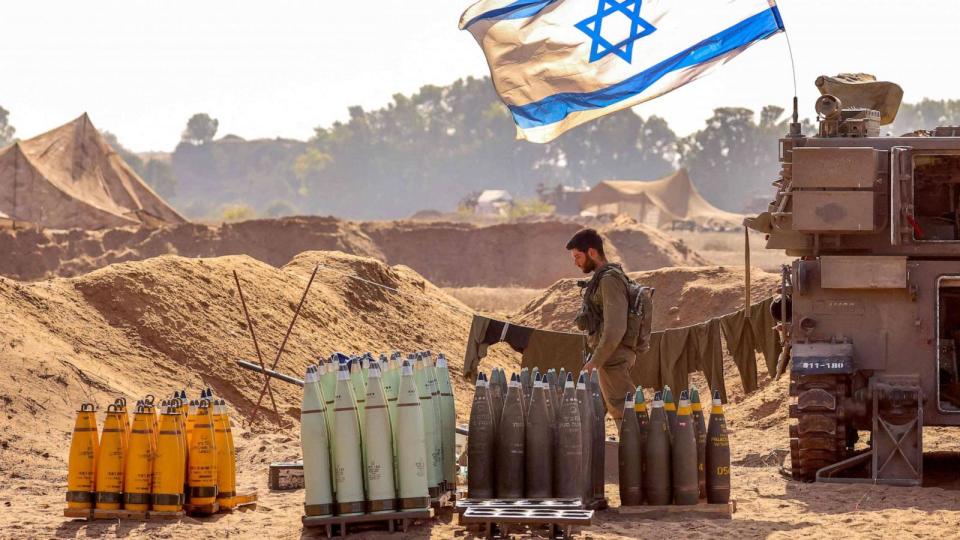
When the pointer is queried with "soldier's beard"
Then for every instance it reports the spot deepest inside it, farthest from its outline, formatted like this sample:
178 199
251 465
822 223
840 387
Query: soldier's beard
589 265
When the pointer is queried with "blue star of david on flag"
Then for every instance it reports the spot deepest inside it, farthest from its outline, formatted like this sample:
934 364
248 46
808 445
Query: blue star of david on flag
600 46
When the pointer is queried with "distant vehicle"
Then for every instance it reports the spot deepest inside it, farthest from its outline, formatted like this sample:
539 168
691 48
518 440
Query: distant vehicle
494 202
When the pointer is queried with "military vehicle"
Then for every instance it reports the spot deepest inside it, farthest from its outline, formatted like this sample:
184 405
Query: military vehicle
870 312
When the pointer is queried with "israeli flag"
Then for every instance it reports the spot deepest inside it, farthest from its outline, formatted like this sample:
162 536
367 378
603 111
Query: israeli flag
560 63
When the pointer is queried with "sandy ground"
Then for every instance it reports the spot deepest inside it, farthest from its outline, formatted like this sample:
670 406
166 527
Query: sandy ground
768 504
170 322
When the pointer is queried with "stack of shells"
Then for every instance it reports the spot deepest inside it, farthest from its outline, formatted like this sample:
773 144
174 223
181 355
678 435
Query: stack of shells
671 456
172 454
536 436
378 435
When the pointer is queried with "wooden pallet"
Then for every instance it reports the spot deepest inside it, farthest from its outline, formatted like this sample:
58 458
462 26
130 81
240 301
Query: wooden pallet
202 509
597 504
136 515
243 501
392 520
446 500
80 513
496 522
694 511
165 515
101 513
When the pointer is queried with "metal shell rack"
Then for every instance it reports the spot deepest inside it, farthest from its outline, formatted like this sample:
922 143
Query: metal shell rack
495 516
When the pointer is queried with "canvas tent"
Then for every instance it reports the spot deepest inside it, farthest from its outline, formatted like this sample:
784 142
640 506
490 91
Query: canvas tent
71 178
657 203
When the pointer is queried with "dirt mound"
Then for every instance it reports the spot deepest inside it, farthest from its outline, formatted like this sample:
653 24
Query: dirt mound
684 296
36 254
448 254
171 322
516 254
642 247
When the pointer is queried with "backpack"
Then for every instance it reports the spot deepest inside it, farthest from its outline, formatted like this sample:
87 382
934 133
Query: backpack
639 309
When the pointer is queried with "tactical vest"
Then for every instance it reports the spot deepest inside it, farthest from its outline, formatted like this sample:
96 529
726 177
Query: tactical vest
639 309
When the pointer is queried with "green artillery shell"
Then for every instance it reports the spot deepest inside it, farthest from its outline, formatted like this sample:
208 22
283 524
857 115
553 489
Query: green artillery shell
628 454
718 455
448 423
378 447
511 442
314 440
684 458
390 380
481 448
411 445
348 451
587 421
429 426
434 386
599 430
656 480
539 445
359 382
700 428
567 468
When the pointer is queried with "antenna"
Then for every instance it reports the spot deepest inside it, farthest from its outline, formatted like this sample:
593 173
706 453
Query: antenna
795 122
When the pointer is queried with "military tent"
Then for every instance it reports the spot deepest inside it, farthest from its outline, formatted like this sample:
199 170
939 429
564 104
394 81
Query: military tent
70 177
657 203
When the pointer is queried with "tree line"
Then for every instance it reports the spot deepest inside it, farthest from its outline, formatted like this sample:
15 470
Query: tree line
429 149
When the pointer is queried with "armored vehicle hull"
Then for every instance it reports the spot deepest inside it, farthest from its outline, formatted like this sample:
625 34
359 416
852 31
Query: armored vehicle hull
870 310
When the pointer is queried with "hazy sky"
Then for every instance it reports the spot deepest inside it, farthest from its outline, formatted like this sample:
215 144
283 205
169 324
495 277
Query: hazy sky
282 67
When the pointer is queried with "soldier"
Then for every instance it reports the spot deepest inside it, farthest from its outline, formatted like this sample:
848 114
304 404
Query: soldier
604 316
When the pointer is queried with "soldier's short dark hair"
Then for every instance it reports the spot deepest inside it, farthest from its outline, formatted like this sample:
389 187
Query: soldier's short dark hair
586 239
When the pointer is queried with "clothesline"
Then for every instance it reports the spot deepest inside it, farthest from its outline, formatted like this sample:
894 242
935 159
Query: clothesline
691 348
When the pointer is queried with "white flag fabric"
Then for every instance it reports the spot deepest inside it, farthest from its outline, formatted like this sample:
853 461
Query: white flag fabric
560 63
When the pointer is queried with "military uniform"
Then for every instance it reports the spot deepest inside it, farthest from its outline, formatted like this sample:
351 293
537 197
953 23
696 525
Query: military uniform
611 339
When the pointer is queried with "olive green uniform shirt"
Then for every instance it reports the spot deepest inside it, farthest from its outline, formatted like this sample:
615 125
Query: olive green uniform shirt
612 295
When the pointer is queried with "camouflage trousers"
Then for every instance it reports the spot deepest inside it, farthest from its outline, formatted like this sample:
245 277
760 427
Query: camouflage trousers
615 381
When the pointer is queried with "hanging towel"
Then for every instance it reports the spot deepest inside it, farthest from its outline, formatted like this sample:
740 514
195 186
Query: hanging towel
739 336
646 370
766 340
541 348
705 340
674 357
546 349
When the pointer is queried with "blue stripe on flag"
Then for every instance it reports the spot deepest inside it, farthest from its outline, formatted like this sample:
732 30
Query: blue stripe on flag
517 10
554 108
